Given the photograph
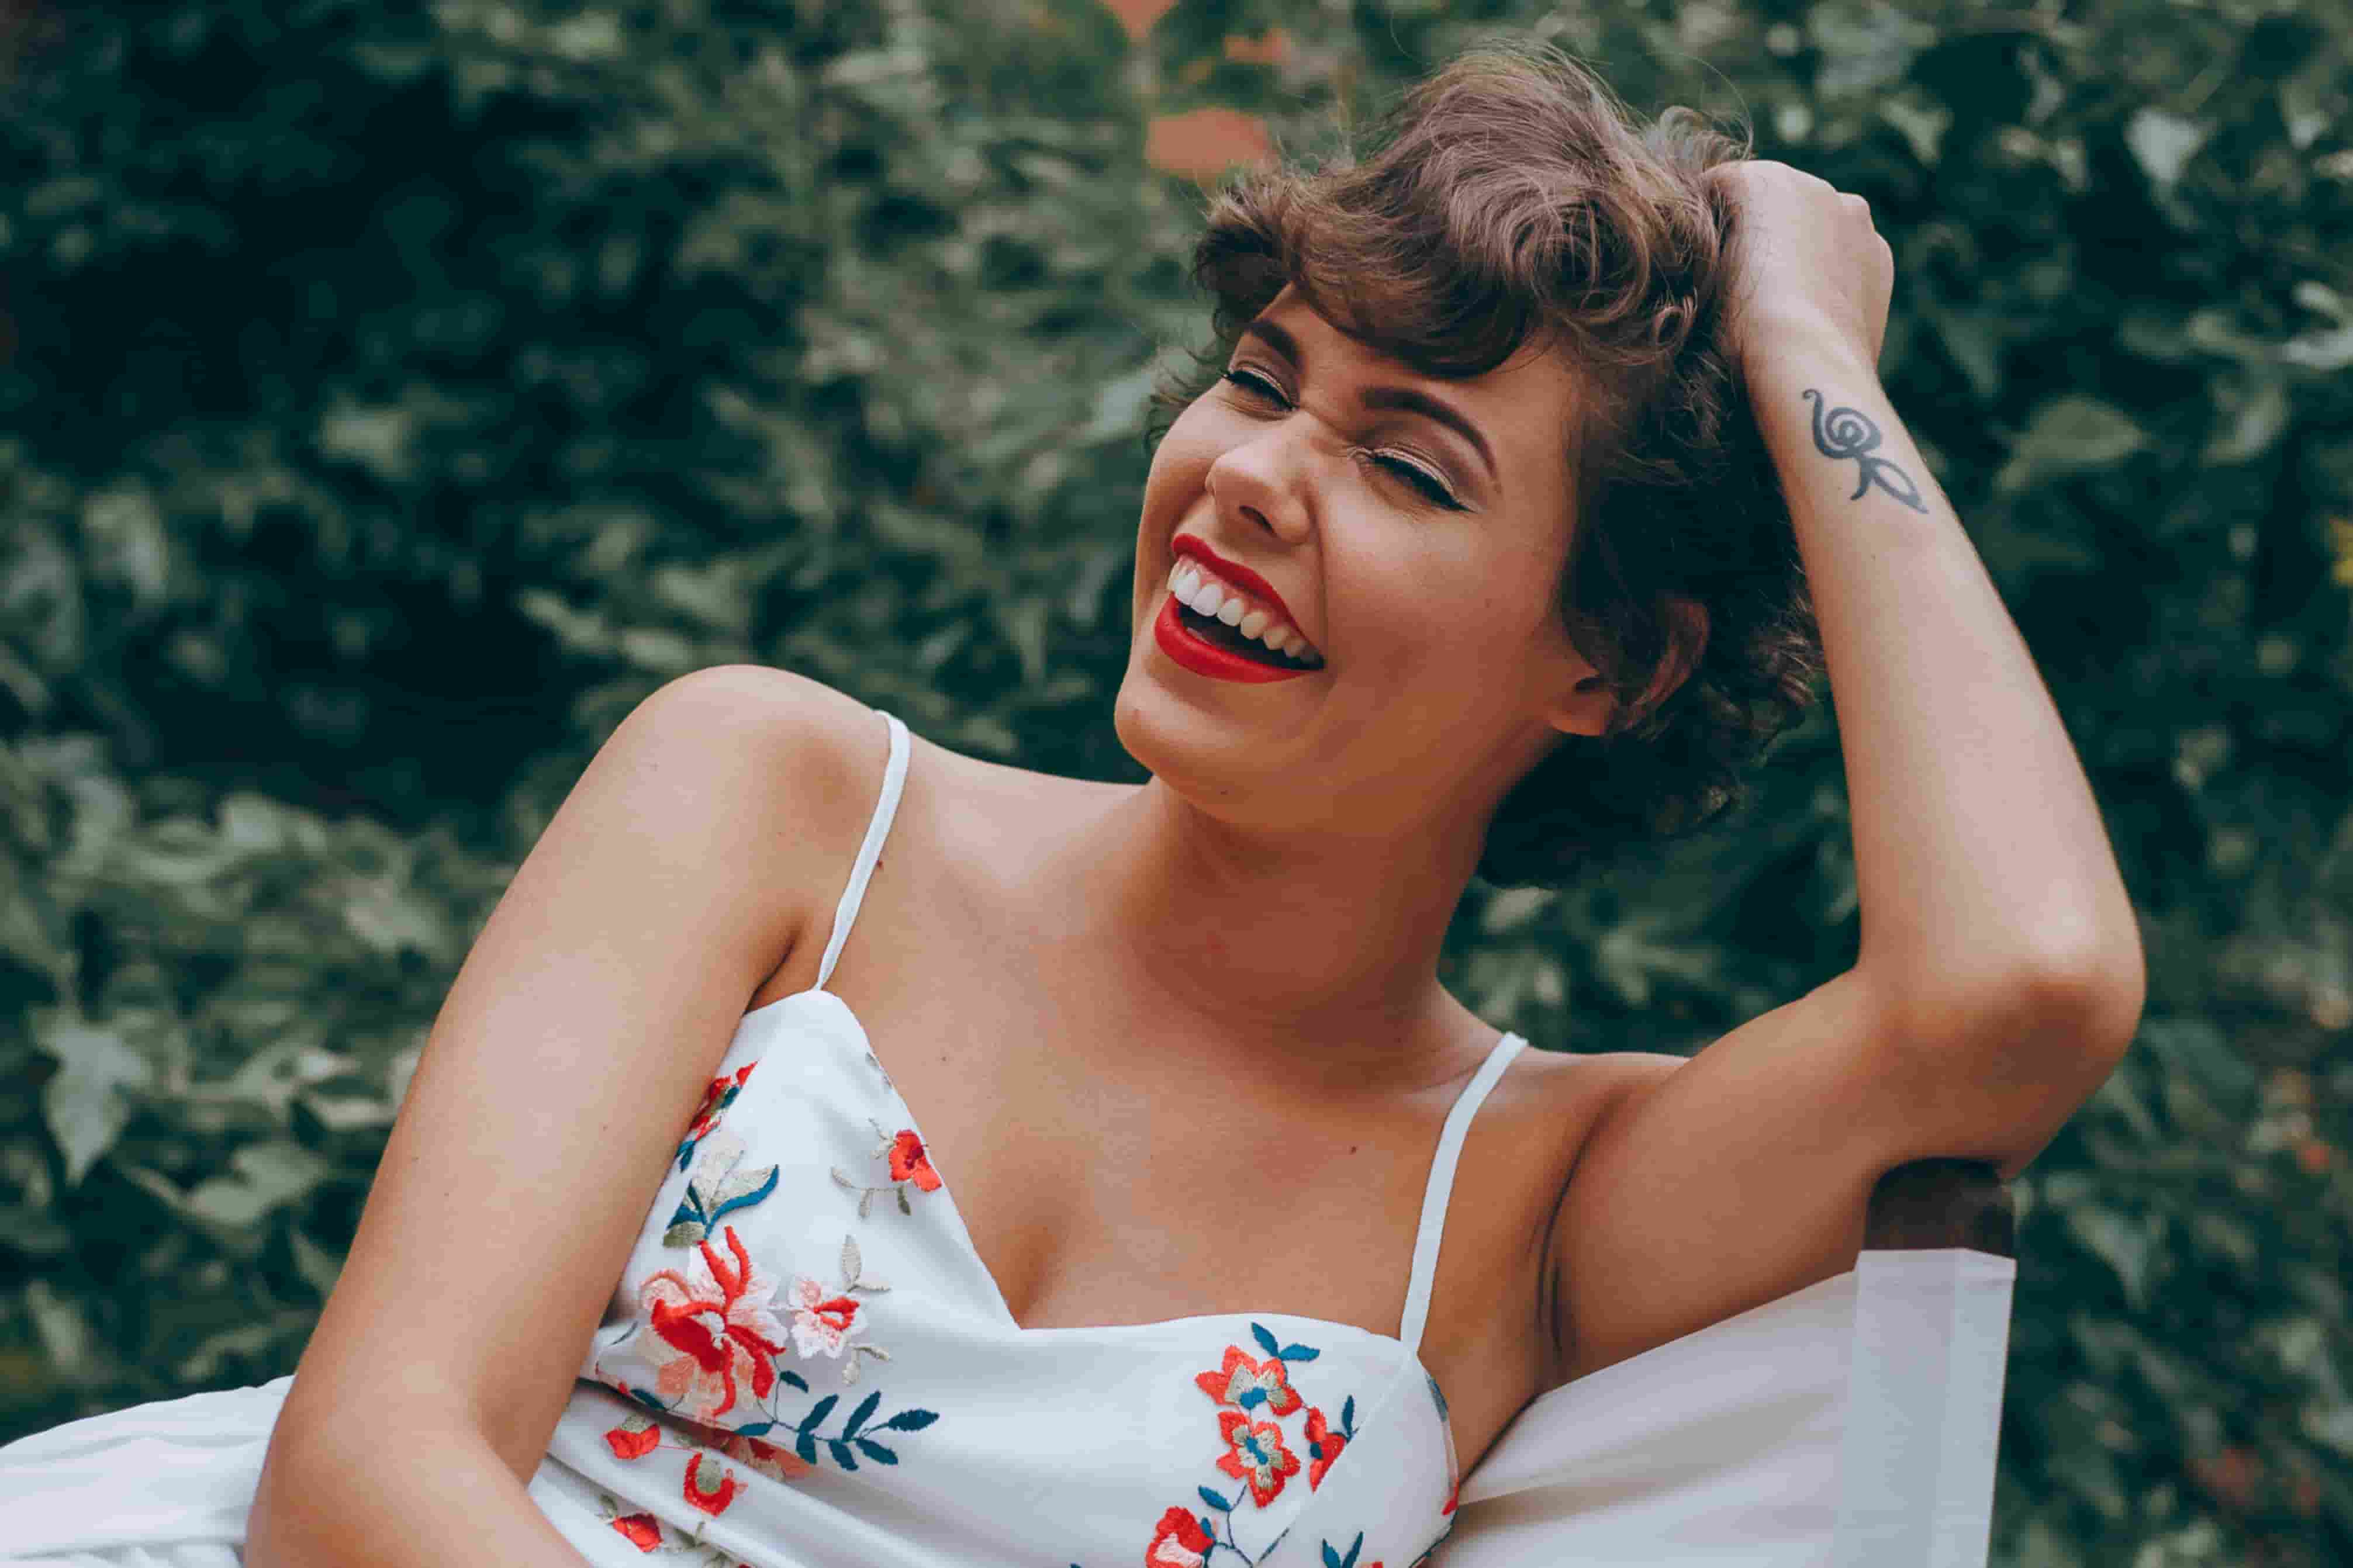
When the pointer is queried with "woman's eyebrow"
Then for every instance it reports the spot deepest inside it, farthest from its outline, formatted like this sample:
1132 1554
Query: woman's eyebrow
1410 399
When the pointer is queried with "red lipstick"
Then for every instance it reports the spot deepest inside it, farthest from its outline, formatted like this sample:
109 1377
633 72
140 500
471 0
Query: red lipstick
1205 657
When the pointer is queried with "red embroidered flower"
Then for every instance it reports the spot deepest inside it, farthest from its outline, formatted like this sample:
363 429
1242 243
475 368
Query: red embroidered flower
1254 1453
634 1438
642 1529
777 1464
1323 1446
1245 1384
719 1321
1179 1542
710 1493
910 1163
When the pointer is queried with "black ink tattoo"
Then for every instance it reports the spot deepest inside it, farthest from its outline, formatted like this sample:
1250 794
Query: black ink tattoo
1848 433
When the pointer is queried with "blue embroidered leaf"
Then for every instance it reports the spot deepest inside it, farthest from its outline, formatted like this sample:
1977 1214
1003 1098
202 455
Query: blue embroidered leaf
1358 1545
909 1421
841 1454
1331 1558
1216 1501
806 1446
795 1379
876 1451
748 1199
757 1429
1297 1353
1348 1419
817 1412
1265 1340
858 1416
1252 1398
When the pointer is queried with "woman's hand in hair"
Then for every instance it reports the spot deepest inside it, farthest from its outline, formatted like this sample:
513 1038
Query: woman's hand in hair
1808 262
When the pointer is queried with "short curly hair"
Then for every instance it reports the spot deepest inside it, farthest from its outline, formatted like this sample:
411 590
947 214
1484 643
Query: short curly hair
1510 197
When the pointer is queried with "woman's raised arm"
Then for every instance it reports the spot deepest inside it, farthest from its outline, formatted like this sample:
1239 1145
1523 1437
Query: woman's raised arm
701 843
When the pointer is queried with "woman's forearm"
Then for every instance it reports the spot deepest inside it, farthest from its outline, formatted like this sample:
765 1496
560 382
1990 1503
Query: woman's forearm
1982 867
383 1493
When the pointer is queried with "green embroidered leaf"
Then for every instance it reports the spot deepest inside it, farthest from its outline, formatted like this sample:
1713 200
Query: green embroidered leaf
731 1193
687 1233
904 1206
1348 1418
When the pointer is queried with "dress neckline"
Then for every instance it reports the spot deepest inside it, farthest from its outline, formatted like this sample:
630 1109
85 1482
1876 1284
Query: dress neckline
945 1197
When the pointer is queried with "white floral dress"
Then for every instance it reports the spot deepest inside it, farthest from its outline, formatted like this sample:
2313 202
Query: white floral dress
806 1365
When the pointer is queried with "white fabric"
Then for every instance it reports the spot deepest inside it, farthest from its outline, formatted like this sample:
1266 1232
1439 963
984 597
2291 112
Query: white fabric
1850 1424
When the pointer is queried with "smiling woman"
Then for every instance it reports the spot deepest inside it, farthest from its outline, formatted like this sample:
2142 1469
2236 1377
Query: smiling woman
1517 210
1192 1217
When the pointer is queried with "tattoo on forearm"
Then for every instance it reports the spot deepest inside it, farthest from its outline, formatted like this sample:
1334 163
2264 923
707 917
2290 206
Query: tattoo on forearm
1848 433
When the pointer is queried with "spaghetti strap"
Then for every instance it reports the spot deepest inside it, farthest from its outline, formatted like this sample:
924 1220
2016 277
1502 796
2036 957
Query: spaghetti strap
894 778
1441 1187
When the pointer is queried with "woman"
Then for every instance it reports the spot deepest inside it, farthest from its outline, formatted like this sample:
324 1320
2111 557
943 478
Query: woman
1539 446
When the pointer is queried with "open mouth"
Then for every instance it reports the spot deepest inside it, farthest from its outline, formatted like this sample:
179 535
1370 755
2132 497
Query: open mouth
1218 634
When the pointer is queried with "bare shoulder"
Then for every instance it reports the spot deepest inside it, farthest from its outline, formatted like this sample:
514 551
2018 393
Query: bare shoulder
1709 1184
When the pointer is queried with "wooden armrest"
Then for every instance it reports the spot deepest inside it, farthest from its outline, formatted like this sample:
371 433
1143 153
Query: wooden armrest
1941 1202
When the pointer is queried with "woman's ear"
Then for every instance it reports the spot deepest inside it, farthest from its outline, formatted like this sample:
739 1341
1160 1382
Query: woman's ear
1587 706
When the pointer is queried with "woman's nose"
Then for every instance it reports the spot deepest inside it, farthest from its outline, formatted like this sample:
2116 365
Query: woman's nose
1262 484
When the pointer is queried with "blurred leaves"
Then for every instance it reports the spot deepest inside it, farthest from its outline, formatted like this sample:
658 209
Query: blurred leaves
391 398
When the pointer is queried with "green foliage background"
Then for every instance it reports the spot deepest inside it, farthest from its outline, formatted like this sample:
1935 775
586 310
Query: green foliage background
395 399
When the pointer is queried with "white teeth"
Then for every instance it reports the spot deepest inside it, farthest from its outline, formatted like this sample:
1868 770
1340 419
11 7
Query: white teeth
1290 642
1254 622
1174 574
1231 612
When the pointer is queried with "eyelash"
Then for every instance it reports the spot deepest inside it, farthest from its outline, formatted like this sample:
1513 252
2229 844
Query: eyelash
1413 473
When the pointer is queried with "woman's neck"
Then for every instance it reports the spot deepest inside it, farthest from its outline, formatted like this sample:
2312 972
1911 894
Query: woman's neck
1271 939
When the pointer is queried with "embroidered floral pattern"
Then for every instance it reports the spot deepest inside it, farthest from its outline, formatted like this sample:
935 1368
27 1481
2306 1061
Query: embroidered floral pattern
719 1186
1333 1560
1246 1384
1325 1443
1181 1542
1252 1394
1254 1454
715 1315
647 1532
909 1166
716 1098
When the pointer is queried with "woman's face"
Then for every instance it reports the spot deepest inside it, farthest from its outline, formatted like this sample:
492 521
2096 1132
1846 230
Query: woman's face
1410 529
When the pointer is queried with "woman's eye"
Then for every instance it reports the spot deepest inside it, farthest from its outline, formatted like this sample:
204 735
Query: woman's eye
1255 384
1415 474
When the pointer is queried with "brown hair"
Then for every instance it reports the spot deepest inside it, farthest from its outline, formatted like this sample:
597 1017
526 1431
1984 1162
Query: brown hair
1511 198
